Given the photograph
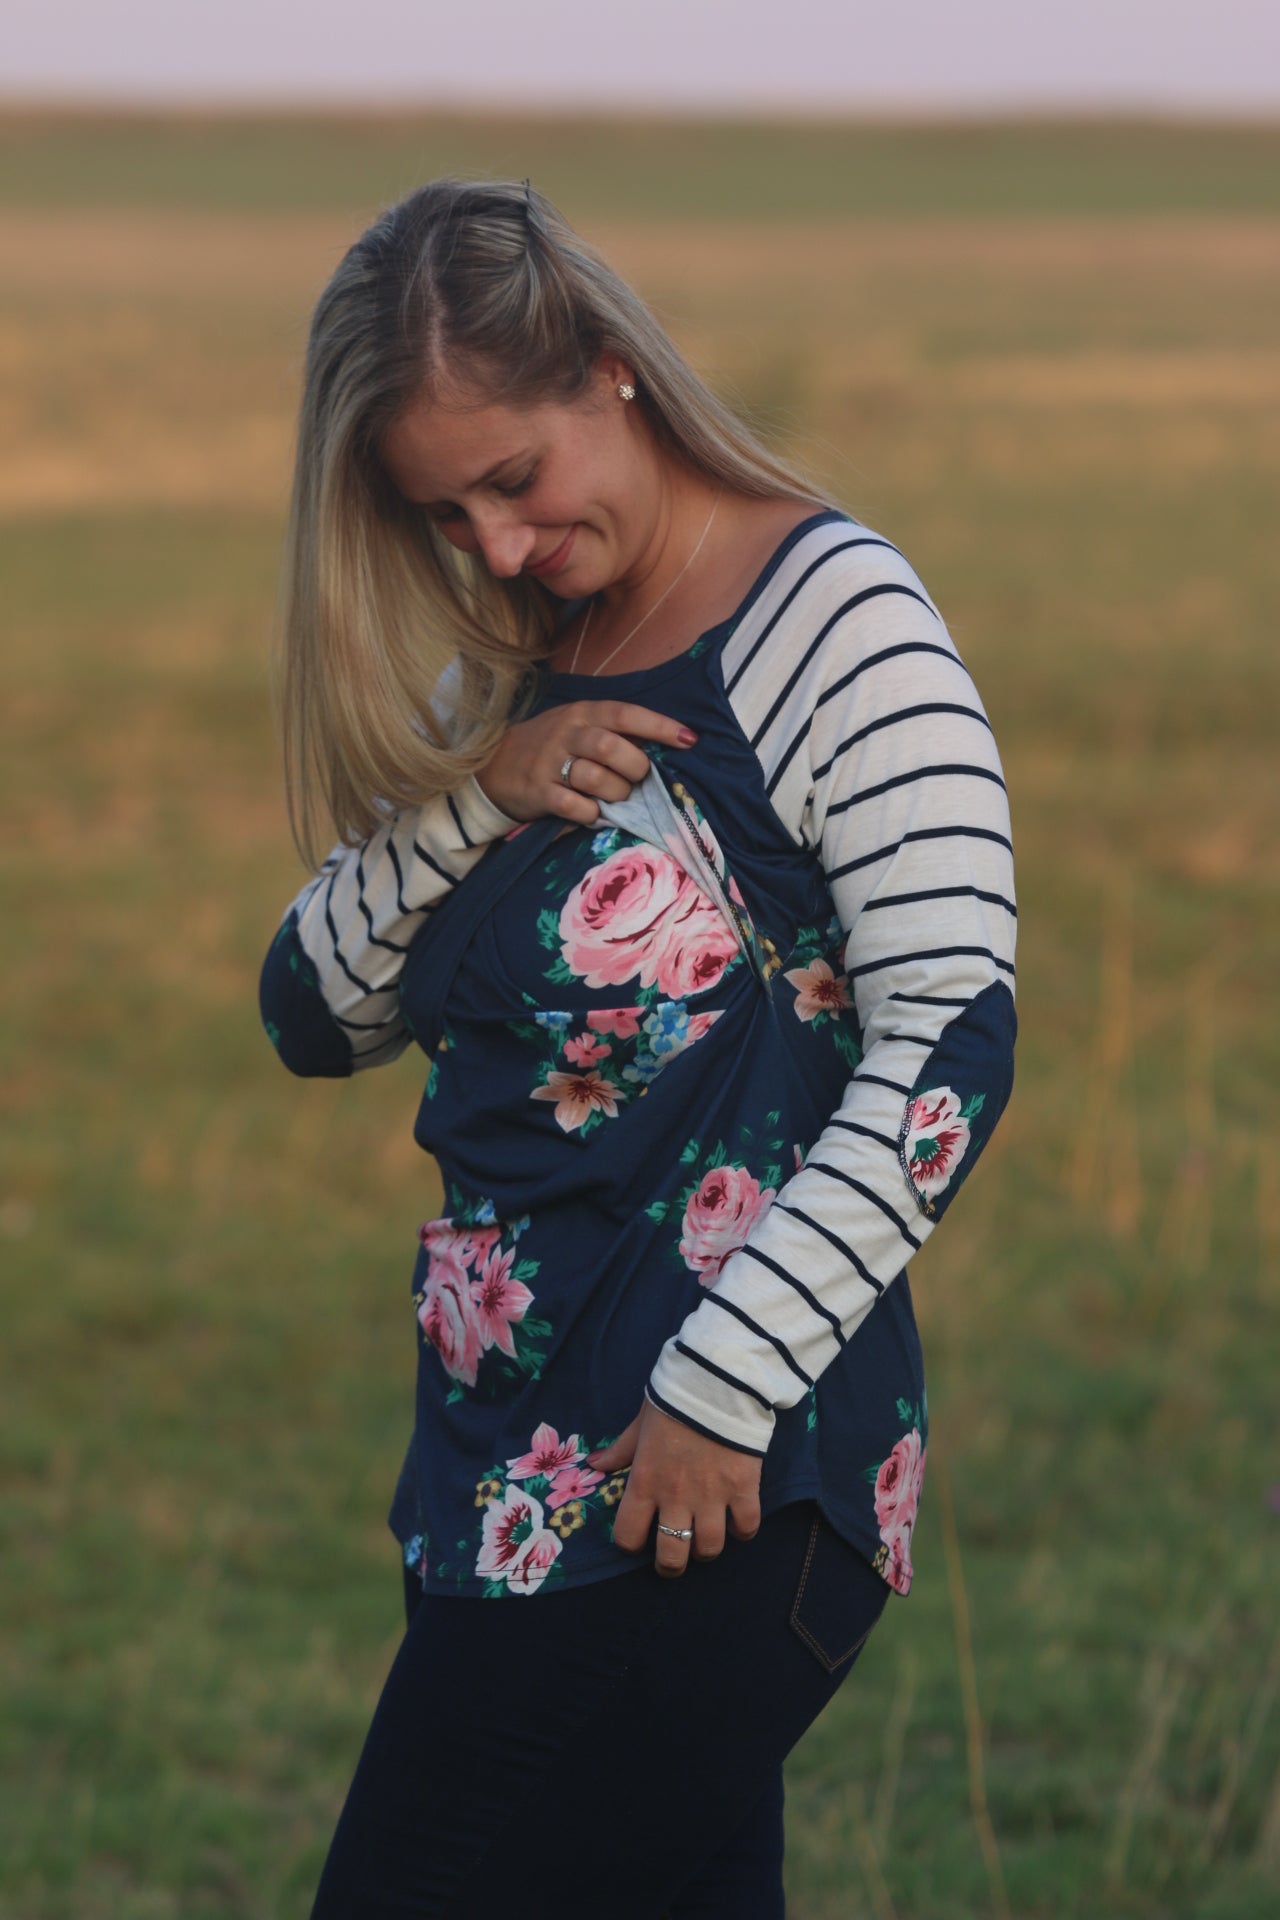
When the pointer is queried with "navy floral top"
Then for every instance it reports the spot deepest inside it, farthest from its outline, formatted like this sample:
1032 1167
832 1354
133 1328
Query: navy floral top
701 1077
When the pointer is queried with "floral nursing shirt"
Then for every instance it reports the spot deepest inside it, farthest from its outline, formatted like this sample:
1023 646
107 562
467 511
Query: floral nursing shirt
700 1079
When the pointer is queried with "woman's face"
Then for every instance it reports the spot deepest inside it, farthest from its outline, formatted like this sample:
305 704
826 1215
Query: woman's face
569 493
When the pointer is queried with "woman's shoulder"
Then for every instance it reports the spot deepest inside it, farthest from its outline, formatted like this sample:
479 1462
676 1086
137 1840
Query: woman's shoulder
836 587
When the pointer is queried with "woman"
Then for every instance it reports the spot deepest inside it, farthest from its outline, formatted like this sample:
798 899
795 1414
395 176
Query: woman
717 1025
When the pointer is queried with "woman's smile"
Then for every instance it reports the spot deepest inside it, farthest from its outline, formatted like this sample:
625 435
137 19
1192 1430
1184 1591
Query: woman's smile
555 560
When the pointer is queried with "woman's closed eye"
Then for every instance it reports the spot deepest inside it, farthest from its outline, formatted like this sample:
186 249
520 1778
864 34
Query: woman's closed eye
447 511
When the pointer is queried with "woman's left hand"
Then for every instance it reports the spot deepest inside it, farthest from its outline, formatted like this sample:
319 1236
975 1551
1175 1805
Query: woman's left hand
683 1479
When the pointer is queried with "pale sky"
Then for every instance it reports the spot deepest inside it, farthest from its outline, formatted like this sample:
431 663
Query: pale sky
925 55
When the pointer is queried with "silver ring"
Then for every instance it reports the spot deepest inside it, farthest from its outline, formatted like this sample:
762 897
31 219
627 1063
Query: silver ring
677 1533
564 771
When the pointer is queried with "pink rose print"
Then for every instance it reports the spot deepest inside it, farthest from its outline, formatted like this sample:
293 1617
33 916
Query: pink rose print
639 914
624 1022
547 1455
516 1547
937 1134
611 926
818 989
448 1318
499 1301
572 1483
584 1051
898 1488
699 946
578 1096
898 1570
720 1214
465 1245
898 1484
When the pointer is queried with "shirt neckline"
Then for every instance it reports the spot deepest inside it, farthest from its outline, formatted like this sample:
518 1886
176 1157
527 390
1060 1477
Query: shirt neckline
609 685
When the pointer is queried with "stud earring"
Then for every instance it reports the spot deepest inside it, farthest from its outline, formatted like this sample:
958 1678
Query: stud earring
626 391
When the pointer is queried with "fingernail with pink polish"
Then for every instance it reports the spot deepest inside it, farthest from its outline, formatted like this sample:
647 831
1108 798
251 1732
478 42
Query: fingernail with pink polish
688 738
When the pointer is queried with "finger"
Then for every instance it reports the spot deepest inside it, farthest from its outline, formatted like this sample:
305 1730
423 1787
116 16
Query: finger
568 804
622 716
612 752
708 1535
671 1555
620 1452
744 1519
632 1523
588 776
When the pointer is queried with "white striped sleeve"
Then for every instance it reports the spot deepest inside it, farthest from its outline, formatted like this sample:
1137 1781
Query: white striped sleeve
356 918
876 751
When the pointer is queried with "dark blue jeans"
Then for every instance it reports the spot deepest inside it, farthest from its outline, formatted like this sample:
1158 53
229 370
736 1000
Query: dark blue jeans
612 1749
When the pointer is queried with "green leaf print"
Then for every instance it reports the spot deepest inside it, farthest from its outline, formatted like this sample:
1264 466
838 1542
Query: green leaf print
657 1211
973 1106
772 1118
846 1046
718 1155
559 974
525 1270
772 1176
456 1392
689 1153
549 928
527 1032
494 1590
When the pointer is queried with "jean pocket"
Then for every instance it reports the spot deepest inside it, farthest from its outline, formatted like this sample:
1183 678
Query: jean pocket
839 1599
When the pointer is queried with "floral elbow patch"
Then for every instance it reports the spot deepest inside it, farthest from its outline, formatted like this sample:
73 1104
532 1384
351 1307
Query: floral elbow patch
958 1096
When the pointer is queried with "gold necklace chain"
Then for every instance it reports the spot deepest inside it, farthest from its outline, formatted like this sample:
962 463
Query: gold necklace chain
597 670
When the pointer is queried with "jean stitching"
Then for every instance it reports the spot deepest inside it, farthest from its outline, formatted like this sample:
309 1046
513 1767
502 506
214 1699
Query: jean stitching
809 1638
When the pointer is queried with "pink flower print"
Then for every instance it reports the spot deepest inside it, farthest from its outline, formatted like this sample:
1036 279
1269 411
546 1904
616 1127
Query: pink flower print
624 1022
698 947
448 1318
936 1136
547 1455
584 1051
572 1483
461 1245
718 1218
700 1023
515 1546
499 1300
578 1096
612 926
818 989
541 1551
898 1485
898 1570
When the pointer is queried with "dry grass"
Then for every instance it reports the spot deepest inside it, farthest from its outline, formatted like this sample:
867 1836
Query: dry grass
1073 428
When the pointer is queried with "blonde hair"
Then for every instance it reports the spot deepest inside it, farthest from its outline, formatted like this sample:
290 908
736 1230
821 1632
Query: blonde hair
488 279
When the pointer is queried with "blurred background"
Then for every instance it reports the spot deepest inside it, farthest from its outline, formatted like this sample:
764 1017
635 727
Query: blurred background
1011 283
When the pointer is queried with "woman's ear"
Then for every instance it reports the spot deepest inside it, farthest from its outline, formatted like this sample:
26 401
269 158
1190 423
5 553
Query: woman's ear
612 372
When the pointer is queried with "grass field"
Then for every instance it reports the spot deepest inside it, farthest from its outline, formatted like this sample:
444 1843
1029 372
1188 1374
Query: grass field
1046 362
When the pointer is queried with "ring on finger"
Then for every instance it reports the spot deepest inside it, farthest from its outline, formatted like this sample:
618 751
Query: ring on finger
564 771
677 1533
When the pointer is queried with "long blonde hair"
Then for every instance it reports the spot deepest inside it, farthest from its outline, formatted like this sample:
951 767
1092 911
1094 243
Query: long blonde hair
376 604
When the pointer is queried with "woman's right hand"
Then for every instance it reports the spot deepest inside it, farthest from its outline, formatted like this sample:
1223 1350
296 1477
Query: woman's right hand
523 777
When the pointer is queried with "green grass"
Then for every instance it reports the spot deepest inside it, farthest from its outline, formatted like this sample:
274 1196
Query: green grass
651 167
207 1355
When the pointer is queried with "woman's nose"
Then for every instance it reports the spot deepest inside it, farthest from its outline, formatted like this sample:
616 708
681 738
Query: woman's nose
505 544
